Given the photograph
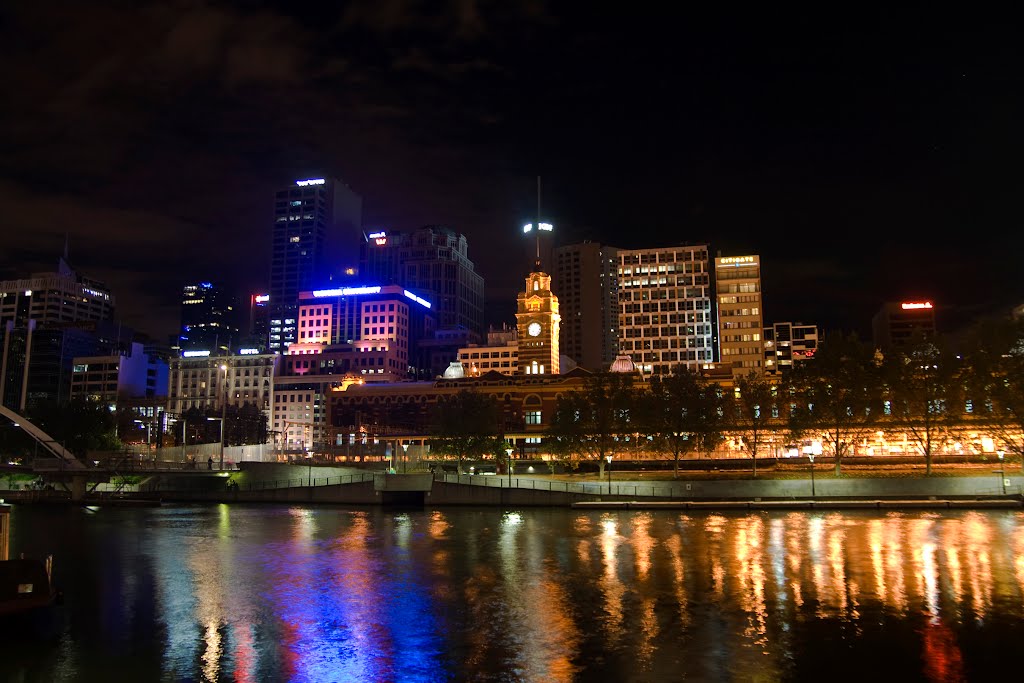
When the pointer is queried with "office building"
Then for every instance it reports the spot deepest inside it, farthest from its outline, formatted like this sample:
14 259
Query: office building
500 354
54 298
584 278
200 380
740 321
209 318
433 262
114 378
665 308
347 334
317 223
787 345
896 323
257 331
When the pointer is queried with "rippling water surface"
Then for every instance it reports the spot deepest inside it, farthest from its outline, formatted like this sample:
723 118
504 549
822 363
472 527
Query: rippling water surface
256 593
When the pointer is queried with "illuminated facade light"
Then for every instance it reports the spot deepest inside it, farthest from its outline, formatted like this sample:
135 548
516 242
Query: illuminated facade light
547 227
422 302
310 181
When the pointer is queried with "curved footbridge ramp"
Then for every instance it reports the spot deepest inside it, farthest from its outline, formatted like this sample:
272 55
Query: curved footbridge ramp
43 439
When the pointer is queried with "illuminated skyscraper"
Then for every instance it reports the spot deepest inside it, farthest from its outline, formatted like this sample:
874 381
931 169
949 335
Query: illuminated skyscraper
740 317
316 231
208 318
665 308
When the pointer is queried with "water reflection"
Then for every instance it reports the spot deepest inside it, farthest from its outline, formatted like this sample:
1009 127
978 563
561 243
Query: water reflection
297 594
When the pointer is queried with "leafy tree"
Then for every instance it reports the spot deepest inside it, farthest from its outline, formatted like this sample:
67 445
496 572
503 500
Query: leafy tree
994 380
586 423
466 425
837 394
751 412
683 412
922 390
80 426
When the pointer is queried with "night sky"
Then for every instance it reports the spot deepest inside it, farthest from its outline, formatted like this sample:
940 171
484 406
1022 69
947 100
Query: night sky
867 157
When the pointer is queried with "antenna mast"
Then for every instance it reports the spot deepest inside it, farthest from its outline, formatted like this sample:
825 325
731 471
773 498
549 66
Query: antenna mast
536 227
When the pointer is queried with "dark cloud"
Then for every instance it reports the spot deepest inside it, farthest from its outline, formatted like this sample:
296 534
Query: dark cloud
865 155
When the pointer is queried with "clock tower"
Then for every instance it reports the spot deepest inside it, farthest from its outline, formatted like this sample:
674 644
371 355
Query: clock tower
537 321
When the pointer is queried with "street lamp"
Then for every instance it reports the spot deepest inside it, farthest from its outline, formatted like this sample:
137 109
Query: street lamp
609 459
223 413
508 464
221 420
1002 472
811 456
405 458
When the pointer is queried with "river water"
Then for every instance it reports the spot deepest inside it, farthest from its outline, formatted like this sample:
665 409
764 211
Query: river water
292 593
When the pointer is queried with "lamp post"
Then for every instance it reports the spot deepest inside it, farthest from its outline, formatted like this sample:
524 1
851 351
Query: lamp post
1002 472
609 459
223 413
811 456
221 420
508 465
405 458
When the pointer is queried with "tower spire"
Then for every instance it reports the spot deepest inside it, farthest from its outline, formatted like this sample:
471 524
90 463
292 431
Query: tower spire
536 229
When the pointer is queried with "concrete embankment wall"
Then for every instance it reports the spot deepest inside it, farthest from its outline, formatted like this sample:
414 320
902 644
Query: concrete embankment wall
267 482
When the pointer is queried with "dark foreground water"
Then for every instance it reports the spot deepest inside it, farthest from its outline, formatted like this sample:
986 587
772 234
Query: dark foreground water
246 593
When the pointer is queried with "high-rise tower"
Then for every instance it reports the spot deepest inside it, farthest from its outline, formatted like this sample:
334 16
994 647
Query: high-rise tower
432 261
584 277
208 318
740 318
317 224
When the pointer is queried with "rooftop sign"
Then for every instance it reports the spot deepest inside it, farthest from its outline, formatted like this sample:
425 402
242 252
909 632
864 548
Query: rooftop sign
736 260
311 181
910 306
346 291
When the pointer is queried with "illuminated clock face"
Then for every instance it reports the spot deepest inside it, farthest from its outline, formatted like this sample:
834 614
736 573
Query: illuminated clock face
533 329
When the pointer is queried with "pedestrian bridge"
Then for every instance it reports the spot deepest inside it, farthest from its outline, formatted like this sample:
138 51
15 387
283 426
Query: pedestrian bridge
69 461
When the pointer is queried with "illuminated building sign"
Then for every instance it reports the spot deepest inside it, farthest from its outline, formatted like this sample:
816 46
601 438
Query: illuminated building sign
194 354
311 181
547 227
422 302
262 298
375 235
910 306
347 291
248 352
381 241
736 260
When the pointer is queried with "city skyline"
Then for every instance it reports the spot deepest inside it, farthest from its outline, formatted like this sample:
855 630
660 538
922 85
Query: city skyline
864 159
